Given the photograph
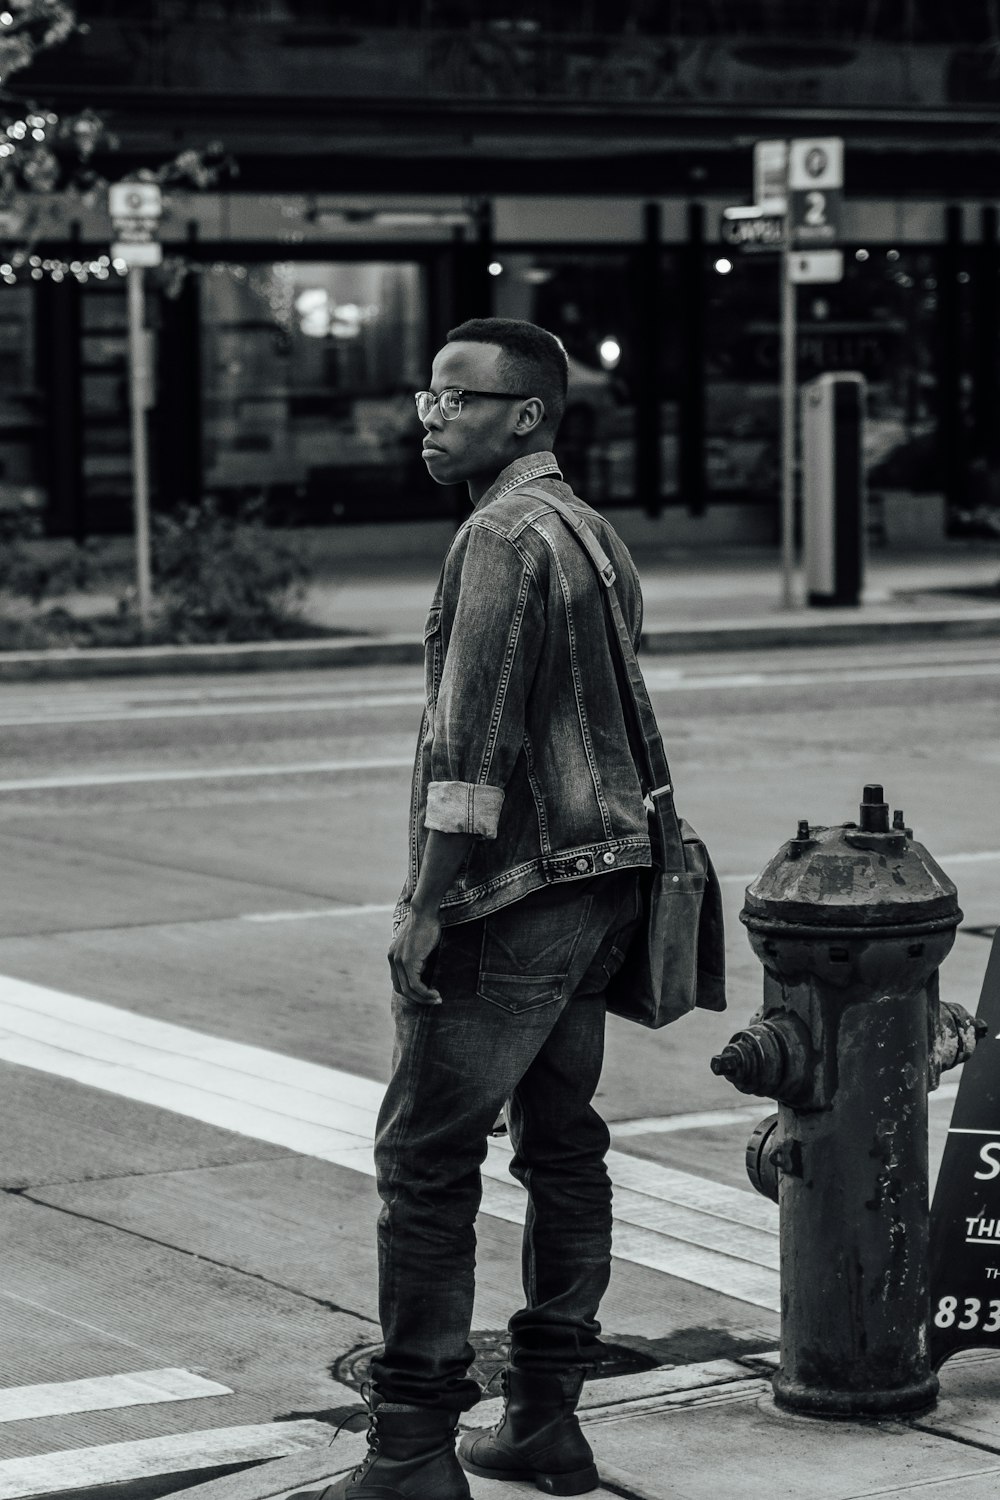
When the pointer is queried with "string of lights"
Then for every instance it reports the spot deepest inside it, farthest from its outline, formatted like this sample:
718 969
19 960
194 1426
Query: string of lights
44 156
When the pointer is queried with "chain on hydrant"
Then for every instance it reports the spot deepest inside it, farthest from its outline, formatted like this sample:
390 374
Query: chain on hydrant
851 924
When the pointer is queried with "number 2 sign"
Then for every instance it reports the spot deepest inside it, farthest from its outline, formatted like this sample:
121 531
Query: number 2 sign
815 217
965 1216
815 183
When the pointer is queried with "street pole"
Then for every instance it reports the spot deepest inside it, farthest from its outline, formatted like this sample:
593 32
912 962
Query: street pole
138 402
788 389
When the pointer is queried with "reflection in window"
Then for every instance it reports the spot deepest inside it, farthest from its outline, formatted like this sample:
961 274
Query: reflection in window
584 300
309 374
880 320
107 443
21 481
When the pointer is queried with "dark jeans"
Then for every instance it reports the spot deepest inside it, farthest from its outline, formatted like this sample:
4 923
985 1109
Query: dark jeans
522 1022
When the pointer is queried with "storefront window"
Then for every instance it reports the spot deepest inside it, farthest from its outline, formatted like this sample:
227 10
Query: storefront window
309 370
107 446
585 300
881 320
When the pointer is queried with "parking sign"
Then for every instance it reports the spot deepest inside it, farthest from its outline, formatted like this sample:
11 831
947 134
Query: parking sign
816 163
815 180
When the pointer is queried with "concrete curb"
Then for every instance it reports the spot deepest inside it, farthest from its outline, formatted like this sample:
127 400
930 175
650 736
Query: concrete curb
361 651
710 1382
808 630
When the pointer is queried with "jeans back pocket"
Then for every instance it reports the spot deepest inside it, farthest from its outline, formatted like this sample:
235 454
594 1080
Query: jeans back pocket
528 951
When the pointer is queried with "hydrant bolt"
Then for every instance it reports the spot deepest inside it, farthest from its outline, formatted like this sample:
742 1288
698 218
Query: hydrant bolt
874 811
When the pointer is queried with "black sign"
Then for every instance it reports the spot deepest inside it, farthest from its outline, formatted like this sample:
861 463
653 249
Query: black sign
815 217
965 1217
750 232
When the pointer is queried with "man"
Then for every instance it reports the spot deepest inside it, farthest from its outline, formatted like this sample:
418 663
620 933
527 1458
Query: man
527 831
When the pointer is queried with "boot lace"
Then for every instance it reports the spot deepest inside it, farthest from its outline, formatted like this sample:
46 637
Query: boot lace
489 1389
371 1436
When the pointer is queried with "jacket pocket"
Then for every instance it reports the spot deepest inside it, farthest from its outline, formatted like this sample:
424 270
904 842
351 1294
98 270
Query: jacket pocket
528 951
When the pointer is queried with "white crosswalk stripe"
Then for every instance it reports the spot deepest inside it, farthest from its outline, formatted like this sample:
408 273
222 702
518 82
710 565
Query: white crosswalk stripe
721 1238
105 1393
185 1452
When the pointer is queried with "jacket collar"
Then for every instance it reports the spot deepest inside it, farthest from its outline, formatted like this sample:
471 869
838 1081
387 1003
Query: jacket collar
522 471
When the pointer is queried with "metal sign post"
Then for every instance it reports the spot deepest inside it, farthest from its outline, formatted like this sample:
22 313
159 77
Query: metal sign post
138 363
135 214
815 181
797 193
789 386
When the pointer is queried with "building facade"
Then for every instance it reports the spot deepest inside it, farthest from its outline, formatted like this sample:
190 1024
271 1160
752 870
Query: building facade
404 166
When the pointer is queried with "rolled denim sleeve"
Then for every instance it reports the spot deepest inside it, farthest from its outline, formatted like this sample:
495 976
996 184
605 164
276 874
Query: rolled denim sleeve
463 807
492 642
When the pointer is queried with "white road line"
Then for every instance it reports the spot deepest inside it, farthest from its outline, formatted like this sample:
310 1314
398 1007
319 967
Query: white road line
665 682
321 911
211 710
90 697
105 1393
719 1237
658 679
706 1119
113 1463
202 773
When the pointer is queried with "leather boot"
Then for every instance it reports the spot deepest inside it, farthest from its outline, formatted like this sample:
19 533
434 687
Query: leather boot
411 1456
538 1437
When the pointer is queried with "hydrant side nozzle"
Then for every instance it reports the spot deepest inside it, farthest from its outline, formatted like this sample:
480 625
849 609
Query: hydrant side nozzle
955 1040
772 1058
727 1064
762 1170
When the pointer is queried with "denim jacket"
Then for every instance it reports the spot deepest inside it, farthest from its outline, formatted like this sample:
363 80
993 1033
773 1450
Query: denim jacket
523 740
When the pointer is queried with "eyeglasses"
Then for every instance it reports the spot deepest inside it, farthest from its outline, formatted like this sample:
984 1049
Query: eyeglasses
449 402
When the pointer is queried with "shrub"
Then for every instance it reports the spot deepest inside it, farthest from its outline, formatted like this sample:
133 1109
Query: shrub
224 578
37 574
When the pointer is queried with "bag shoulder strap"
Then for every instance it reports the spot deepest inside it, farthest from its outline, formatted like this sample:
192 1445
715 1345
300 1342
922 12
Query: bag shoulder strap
653 769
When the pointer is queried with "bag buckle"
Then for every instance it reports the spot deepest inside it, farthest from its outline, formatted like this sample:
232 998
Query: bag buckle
608 575
660 791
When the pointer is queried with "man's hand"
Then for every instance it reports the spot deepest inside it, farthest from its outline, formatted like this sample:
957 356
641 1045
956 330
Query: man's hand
412 946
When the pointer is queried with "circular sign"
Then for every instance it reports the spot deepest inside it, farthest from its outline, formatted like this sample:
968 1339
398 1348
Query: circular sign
816 161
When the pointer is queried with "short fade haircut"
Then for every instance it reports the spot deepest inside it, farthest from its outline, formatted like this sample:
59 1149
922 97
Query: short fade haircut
532 359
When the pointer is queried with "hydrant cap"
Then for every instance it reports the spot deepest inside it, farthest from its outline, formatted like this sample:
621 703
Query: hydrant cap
850 876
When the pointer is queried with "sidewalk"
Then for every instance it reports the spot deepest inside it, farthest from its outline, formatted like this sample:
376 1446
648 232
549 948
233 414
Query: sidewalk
723 600
713 1432
695 601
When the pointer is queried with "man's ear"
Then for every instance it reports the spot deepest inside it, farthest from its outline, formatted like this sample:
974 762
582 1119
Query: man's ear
530 415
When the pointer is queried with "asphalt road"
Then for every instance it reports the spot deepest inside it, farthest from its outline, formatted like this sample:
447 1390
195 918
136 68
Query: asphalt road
222 855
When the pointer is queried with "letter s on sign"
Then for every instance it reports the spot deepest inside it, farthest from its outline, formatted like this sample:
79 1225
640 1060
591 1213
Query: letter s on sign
988 1156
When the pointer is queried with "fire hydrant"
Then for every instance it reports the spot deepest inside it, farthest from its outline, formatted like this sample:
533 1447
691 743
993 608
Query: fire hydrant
851 924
